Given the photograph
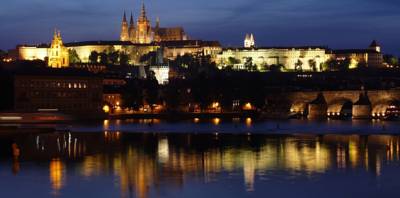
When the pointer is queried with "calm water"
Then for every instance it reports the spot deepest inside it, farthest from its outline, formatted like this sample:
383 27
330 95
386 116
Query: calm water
204 159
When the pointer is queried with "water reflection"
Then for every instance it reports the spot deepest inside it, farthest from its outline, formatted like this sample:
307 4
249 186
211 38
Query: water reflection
142 163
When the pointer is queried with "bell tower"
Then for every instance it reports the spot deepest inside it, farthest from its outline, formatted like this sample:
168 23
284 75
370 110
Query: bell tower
58 53
144 30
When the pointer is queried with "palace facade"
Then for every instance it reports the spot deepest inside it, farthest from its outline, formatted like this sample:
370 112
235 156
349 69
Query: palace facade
304 58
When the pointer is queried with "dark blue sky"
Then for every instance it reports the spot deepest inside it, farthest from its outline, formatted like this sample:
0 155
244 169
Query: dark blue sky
336 23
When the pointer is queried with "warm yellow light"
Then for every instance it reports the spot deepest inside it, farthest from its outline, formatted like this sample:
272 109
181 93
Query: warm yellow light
106 109
56 174
216 121
248 121
248 106
117 103
215 104
196 120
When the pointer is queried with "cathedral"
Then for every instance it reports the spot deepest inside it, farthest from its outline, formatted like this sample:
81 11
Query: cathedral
143 33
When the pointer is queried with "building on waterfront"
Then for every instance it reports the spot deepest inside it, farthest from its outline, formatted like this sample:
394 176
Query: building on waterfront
369 57
65 91
303 58
142 32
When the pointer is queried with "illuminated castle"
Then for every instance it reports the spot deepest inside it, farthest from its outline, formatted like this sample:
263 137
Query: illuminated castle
57 53
143 33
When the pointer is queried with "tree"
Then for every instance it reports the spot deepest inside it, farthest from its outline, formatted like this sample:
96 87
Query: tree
2 54
103 58
132 94
73 56
276 68
298 66
113 57
341 64
233 61
123 58
149 58
94 57
391 60
313 64
249 64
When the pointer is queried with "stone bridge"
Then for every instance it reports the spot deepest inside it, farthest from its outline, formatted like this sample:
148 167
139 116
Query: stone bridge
355 103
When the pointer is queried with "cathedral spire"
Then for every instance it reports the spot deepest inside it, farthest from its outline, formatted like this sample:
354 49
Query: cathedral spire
143 11
124 18
124 29
131 20
158 22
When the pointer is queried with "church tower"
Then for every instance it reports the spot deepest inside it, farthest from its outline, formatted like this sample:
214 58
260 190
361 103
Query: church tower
124 30
58 53
249 41
144 31
375 46
157 37
132 31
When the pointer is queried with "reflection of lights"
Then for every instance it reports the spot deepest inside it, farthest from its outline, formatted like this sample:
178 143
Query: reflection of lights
353 152
10 118
248 121
216 121
56 174
106 123
163 150
196 120
249 166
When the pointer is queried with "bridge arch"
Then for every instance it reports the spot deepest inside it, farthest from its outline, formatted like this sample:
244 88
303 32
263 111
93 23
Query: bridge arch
340 107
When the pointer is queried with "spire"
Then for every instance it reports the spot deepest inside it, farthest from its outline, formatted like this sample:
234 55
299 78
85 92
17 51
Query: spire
124 19
131 21
374 44
143 11
158 22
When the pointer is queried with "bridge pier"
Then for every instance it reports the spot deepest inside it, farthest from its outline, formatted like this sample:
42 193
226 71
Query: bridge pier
318 108
362 109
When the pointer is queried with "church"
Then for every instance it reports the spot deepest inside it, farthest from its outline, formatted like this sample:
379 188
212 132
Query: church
143 33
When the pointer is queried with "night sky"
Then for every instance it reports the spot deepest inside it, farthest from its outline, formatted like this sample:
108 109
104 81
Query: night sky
335 23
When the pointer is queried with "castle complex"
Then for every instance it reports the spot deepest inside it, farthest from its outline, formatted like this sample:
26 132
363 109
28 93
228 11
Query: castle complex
139 38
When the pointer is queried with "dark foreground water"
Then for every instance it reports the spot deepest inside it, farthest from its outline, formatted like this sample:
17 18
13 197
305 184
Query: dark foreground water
156 159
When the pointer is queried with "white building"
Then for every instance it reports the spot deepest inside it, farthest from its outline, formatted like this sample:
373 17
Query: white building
161 73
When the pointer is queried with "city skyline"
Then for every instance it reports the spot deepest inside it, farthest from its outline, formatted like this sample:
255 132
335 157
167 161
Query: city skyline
273 23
